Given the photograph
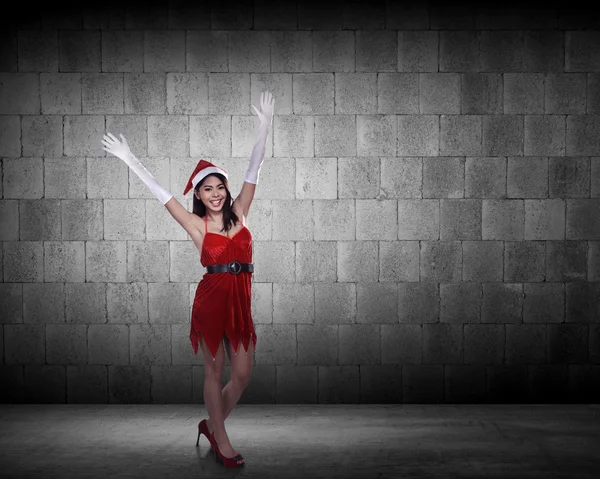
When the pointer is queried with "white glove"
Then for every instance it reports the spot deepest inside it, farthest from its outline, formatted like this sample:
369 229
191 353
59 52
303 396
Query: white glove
265 115
121 150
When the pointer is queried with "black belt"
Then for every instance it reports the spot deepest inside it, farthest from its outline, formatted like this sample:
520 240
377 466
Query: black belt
233 267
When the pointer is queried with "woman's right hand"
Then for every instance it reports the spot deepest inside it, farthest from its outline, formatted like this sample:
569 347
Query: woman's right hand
120 149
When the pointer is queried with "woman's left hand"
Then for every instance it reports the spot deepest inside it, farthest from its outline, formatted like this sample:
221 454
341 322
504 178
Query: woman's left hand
267 106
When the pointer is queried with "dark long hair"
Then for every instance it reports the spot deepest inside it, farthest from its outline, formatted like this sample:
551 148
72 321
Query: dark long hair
229 217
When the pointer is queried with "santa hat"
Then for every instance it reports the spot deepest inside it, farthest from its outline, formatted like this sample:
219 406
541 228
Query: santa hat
203 169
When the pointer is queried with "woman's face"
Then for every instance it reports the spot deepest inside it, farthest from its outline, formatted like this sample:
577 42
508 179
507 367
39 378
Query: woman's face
212 193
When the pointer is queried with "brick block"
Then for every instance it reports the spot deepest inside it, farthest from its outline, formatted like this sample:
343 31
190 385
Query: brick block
384 209
206 51
544 219
87 384
481 93
44 384
569 177
439 93
582 53
229 93
291 52
333 52
127 303
460 303
79 51
501 51
358 177
129 384
442 343
277 260
593 93
502 219
317 344
443 177
64 261
381 384
460 135
460 219
334 135
459 51
273 15
122 51
85 303
335 303
44 303
294 136
124 219
419 302
398 93
182 254
313 93
11 307
9 220
23 178
582 219
543 303
502 303
181 350
164 51
316 178
83 135
406 16
567 343
278 344
502 135
398 261
506 384
66 344
418 219
464 384
359 15
544 135
10 135
401 177
37 51
24 344
583 302
23 261
315 261
524 261
418 50
543 51
565 93
101 93
525 344
583 383
298 230
441 261
356 93
108 344
484 343
106 261
422 384
148 261
150 344
376 135
401 343
41 136
82 220
376 51
186 16
210 136
593 261
377 303
319 16
418 135
145 93
39 220
293 303
442 17
65 177
566 261
19 93
262 303
482 261
171 384
187 93
334 220
359 344
485 178
357 261
279 84
582 135
339 384
168 135
523 93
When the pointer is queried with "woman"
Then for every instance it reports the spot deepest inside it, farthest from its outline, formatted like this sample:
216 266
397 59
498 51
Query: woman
221 309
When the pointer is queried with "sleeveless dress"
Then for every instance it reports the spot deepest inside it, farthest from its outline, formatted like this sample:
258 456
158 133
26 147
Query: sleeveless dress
222 303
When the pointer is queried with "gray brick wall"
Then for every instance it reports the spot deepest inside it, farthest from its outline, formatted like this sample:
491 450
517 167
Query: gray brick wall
426 227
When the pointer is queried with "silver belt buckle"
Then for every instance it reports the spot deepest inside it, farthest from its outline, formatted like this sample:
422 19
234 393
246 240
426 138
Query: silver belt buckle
234 267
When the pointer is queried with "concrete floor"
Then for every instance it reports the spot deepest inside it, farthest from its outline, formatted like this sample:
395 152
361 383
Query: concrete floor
283 441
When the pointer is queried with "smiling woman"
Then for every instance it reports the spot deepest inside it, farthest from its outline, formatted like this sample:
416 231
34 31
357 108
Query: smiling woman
221 313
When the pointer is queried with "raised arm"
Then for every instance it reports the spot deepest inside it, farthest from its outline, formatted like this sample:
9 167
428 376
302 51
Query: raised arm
121 150
265 115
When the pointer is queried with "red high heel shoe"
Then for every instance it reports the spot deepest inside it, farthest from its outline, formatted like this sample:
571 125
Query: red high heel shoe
231 462
203 429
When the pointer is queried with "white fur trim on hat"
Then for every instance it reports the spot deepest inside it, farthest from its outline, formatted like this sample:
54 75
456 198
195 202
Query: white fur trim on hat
207 171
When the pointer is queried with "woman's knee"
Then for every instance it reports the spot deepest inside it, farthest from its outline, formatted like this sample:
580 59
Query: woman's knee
241 378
